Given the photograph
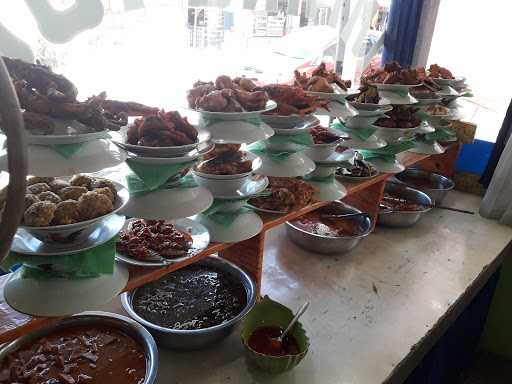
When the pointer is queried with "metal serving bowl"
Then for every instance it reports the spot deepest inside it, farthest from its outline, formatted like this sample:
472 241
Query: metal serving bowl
182 339
327 244
436 194
391 218
94 319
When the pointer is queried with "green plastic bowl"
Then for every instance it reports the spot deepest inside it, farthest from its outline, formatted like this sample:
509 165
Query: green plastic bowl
267 313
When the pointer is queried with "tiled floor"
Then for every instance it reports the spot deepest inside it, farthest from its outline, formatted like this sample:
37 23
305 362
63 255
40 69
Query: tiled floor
490 369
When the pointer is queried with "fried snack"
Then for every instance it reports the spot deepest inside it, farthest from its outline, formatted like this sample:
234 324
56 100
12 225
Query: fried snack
38 124
399 117
227 95
105 191
226 163
36 180
39 214
367 95
49 196
81 181
287 194
66 212
165 129
292 100
93 204
128 108
322 135
30 199
393 73
436 71
57 185
72 193
38 188
320 80
104 183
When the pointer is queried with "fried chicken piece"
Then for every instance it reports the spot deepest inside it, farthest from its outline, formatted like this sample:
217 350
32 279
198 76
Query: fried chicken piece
216 101
224 82
37 179
252 101
72 193
196 93
222 150
181 124
39 214
93 204
38 124
301 80
129 108
319 84
287 194
38 188
227 163
49 196
436 71
245 84
81 181
66 212
55 87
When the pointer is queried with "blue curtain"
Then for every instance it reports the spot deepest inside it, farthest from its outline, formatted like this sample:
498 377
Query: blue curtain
401 32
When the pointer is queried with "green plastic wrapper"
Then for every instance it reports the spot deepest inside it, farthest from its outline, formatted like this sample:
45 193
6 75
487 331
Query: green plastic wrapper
359 133
154 176
441 134
304 139
269 312
92 263
389 152
318 179
67 151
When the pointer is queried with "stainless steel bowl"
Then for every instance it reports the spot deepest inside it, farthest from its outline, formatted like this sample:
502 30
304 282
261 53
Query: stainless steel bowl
111 320
327 244
436 194
197 338
404 218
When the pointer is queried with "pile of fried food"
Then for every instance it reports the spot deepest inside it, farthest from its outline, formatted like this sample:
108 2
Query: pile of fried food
144 238
227 95
437 110
163 129
287 194
293 100
437 72
225 159
46 96
367 95
392 73
396 203
323 135
400 116
50 201
321 80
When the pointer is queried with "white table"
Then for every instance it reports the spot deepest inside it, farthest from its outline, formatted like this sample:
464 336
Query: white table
374 312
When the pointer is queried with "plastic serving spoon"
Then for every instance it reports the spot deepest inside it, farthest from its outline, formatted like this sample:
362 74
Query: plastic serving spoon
276 342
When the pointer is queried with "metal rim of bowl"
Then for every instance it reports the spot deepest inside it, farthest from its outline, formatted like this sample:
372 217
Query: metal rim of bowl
418 192
417 172
126 301
142 337
360 236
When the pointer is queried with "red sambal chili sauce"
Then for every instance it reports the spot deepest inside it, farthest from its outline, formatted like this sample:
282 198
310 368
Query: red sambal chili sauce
81 354
262 340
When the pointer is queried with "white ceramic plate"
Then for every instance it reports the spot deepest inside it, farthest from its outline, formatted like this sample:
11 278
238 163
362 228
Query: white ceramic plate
450 82
338 94
367 109
24 243
373 142
387 167
201 150
328 191
92 157
394 134
333 159
425 127
245 226
389 97
226 190
336 108
422 102
428 148
297 164
61 297
237 115
308 122
267 210
238 132
169 204
394 87
256 164
67 132
200 240
203 136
